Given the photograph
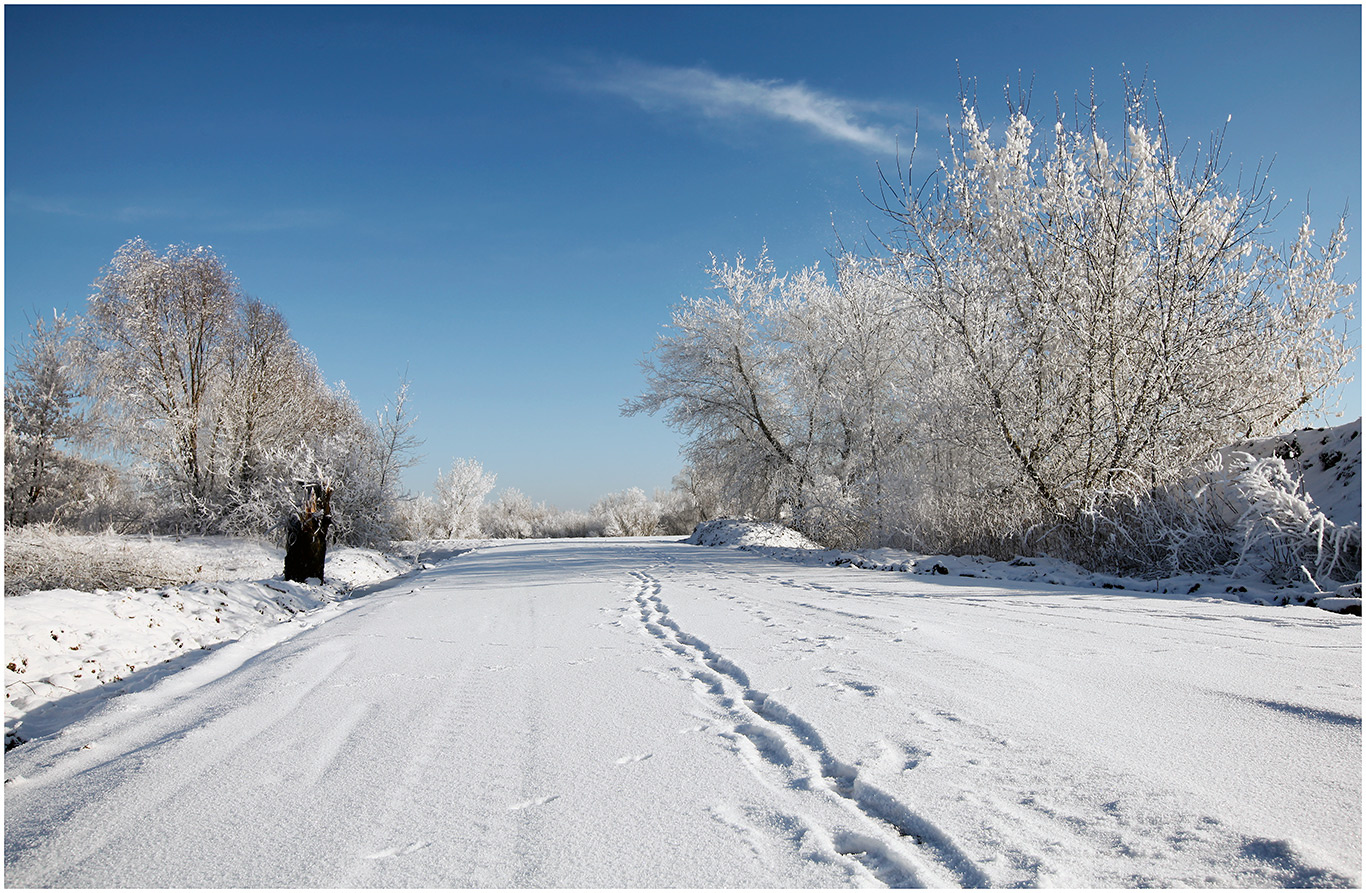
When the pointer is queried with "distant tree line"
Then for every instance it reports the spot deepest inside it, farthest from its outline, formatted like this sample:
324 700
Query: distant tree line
1051 325
460 510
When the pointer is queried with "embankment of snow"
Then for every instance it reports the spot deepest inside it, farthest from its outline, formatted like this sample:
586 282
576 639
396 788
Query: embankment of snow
61 643
774 541
1326 461
743 534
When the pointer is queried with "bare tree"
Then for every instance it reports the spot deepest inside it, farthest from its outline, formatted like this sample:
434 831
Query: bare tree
397 444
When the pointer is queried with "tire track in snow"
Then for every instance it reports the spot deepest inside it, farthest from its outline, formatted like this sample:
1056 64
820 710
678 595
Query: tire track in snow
783 738
169 723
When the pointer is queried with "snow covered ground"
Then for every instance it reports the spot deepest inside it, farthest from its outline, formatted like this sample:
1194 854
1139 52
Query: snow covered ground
65 650
776 541
627 713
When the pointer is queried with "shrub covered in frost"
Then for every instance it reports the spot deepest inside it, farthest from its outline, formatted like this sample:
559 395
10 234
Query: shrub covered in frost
1240 515
40 556
628 513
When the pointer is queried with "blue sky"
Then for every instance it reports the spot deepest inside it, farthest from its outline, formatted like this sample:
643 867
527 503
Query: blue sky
506 201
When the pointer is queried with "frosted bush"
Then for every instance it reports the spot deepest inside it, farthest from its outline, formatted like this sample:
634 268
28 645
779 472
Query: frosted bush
39 557
511 516
1282 537
417 518
629 513
460 494
1239 515
831 515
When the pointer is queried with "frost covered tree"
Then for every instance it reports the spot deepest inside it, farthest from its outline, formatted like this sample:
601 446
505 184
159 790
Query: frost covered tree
160 328
717 378
1052 321
225 411
699 498
460 497
679 510
1111 310
45 416
796 392
271 386
341 450
629 513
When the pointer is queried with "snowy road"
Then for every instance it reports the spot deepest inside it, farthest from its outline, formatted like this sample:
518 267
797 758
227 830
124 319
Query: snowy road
647 713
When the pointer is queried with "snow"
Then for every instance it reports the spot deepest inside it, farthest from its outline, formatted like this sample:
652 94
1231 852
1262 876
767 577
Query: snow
648 713
774 541
749 535
61 644
1327 461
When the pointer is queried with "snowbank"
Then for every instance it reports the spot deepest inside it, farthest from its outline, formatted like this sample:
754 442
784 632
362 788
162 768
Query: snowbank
748 535
61 643
775 541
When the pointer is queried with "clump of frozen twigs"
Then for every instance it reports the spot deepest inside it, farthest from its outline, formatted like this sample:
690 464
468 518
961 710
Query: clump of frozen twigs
42 557
1239 514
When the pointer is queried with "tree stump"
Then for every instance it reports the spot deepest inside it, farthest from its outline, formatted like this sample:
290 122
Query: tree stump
306 534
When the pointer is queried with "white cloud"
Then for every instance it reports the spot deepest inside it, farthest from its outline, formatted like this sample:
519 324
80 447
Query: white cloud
658 88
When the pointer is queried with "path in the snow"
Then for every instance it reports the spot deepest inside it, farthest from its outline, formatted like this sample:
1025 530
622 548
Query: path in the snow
646 713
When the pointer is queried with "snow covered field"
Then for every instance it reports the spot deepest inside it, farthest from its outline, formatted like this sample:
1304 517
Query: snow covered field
649 713
65 650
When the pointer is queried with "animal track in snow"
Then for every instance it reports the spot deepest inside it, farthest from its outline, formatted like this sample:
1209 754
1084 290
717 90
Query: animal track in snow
845 682
787 741
402 850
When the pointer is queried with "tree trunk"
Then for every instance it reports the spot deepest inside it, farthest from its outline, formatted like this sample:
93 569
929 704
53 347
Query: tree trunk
306 535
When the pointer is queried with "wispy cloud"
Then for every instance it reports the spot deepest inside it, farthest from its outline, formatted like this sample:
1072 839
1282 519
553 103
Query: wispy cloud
66 207
664 89
248 220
